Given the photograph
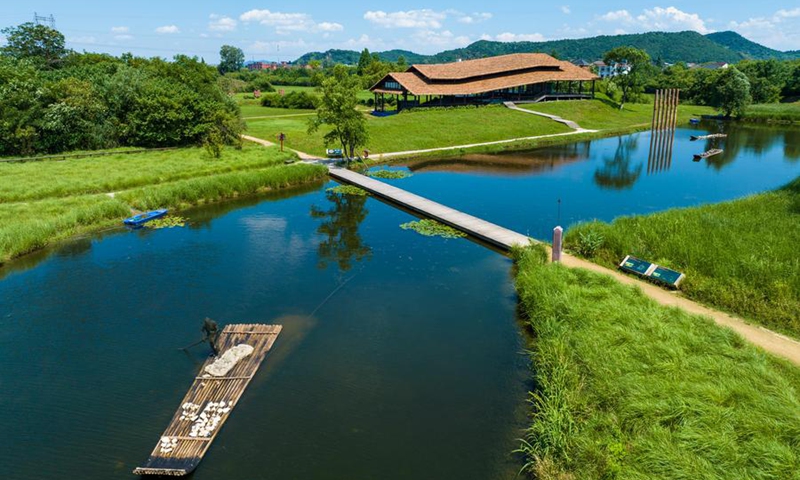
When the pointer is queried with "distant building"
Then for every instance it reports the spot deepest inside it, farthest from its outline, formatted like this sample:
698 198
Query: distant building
267 65
583 64
605 70
515 77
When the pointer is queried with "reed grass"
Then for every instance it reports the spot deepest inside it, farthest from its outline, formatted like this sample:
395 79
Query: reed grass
626 388
773 113
740 256
26 227
197 191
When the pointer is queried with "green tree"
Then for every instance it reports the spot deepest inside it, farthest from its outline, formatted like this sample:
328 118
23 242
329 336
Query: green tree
731 92
639 61
37 42
337 110
402 63
231 59
364 61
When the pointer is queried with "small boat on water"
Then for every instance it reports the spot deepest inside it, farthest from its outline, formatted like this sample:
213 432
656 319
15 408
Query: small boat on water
142 218
706 137
694 121
710 153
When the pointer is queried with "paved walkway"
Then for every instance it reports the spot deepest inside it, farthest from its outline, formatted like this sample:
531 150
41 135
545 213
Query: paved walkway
555 118
504 238
266 143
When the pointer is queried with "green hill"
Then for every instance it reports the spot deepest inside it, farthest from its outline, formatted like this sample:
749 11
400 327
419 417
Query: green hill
749 48
665 46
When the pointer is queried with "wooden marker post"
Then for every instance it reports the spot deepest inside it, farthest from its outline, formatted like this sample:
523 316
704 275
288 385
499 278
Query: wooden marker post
558 233
281 138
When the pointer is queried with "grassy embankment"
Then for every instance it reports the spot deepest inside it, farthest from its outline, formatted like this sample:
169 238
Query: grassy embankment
740 256
773 113
42 202
420 129
627 388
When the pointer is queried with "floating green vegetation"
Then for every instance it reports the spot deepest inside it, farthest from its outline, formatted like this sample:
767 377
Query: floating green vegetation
432 228
166 222
348 190
389 174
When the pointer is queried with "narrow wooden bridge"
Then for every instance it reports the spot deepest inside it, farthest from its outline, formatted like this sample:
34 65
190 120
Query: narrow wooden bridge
495 235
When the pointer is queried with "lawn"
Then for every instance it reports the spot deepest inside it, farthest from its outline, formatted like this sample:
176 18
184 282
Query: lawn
601 114
740 256
626 388
47 179
43 202
418 129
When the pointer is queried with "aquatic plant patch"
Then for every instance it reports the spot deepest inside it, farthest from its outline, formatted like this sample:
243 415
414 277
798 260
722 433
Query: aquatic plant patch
432 228
166 222
389 174
348 190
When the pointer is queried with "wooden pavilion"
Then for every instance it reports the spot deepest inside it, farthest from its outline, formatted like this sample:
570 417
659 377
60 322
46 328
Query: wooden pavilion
518 77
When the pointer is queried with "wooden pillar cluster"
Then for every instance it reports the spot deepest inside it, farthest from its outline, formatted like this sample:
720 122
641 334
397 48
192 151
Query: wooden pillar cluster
662 138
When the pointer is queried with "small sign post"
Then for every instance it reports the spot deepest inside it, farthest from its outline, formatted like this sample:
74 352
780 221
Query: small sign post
558 234
281 138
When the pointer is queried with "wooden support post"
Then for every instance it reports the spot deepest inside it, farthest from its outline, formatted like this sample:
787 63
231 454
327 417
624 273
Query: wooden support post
558 233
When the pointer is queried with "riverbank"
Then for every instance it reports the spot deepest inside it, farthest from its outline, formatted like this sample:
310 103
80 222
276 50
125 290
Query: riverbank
739 256
43 202
626 388
780 113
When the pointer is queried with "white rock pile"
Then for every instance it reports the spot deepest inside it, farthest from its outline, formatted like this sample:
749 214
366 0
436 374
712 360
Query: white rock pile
225 362
209 419
168 444
189 411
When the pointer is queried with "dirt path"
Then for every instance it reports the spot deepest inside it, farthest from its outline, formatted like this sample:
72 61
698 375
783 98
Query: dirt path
774 343
266 143
554 118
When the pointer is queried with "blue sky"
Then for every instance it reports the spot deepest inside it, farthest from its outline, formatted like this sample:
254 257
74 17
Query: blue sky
285 30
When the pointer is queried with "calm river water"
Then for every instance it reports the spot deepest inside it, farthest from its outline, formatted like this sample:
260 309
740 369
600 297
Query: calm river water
414 368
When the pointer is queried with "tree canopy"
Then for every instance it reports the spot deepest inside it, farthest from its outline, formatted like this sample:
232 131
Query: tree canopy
337 110
732 92
231 59
639 62
38 43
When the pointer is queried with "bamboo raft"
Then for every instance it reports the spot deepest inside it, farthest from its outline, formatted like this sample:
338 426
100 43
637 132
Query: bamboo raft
706 137
182 447
710 153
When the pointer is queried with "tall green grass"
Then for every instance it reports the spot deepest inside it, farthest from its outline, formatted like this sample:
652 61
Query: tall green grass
740 256
26 227
629 389
773 112
201 190
47 179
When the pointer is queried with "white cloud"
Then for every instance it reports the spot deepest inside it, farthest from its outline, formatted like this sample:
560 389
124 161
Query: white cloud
565 9
473 18
168 30
123 37
657 18
437 40
518 37
330 27
120 29
617 16
780 31
285 23
220 23
425 18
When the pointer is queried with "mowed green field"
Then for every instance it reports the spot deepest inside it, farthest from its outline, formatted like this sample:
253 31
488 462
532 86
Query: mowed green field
629 389
42 202
600 114
419 129
740 256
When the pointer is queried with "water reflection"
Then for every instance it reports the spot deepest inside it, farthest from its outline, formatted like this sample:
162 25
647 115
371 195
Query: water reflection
617 172
749 139
342 243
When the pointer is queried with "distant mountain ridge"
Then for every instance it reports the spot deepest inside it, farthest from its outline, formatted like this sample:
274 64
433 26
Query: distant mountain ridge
668 47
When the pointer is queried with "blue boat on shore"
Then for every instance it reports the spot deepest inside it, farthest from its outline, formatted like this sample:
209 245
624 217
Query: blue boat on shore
142 218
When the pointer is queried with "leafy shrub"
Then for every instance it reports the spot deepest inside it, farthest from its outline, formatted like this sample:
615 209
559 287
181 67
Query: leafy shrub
294 100
589 243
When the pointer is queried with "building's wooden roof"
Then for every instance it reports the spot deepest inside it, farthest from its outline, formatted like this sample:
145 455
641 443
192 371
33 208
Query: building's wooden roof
484 75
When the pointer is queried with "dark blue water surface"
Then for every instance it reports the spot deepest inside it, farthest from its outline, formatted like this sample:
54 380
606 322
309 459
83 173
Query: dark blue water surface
607 178
400 356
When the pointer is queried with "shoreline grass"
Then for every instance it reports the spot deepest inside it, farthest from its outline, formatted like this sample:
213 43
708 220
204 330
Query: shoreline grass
56 206
782 113
627 388
739 256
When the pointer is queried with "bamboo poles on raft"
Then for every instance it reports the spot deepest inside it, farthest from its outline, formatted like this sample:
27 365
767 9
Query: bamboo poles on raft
208 403
662 139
